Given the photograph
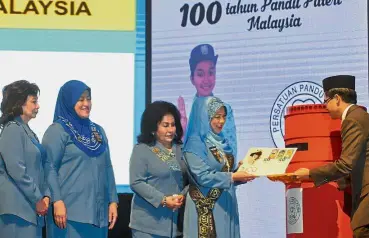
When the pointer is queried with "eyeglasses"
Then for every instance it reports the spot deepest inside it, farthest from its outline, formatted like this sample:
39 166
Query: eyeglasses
326 101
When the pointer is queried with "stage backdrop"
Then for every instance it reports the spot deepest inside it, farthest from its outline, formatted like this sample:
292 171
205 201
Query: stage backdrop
271 54
103 45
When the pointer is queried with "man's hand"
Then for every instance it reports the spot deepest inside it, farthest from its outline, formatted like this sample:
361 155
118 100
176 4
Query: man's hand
302 174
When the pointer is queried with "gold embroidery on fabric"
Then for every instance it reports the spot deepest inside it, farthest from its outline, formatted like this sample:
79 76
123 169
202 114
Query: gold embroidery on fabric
169 159
155 150
205 205
229 164
204 208
218 155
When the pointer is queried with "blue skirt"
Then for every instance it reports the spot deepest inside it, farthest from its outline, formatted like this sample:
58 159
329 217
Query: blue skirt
75 230
16 227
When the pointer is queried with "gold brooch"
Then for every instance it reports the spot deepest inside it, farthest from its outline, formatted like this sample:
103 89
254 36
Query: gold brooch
97 136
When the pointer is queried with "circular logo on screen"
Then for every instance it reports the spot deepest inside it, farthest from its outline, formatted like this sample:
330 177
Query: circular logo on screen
303 92
294 210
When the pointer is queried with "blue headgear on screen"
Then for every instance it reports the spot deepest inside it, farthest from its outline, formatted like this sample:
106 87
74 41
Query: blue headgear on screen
200 53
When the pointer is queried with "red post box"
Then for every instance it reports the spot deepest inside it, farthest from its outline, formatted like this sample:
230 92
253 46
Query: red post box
317 138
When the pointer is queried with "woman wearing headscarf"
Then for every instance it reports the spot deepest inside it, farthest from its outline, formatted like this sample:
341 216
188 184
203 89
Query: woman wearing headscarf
85 200
203 65
23 191
211 204
157 173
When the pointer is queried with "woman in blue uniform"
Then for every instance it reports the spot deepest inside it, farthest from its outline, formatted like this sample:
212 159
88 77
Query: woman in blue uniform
211 204
23 190
157 173
85 198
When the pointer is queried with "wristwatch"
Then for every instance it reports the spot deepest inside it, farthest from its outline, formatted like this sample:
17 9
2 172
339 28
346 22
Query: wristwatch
164 201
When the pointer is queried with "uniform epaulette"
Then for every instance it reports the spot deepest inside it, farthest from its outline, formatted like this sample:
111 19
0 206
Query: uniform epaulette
12 122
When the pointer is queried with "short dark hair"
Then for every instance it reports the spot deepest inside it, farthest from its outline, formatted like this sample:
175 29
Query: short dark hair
347 95
152 116
14 97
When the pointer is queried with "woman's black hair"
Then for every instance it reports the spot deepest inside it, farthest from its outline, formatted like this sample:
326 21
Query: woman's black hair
152 116
14 97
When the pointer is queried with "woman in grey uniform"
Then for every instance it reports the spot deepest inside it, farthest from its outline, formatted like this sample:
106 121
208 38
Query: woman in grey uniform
84 197
157 173
23 192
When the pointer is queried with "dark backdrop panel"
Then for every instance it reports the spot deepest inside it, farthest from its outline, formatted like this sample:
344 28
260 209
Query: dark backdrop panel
121 229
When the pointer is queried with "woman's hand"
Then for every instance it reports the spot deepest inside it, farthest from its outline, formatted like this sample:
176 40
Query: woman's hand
239 164
113 214
42 206
47 201
181 198
173 202
60 214
242 176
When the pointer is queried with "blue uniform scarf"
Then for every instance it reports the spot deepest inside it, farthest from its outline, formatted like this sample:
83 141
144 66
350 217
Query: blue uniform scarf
85 134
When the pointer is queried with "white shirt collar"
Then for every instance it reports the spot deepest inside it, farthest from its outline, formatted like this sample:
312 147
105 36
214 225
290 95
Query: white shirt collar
345 112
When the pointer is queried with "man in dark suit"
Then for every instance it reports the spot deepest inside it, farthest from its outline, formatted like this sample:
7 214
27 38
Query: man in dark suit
340 99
